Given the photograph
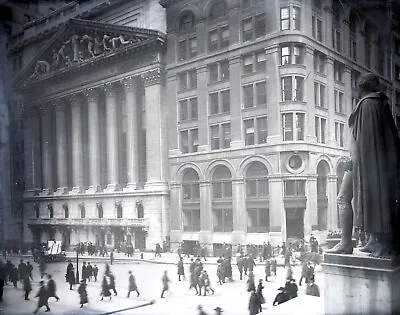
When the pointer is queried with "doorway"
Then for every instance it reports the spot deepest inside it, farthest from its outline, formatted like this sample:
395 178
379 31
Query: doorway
140 240
295 223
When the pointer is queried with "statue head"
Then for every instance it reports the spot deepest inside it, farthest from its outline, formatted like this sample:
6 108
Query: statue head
369 83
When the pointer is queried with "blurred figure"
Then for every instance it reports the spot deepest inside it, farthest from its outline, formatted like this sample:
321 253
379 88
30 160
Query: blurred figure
83 297
27 286
312 288
132 284
43 298
165 281
104 289
281 297
51 288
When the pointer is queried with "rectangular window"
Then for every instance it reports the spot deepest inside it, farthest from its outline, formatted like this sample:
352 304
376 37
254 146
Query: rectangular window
296 18
224 65
260 61
191 220
259 23
187 80
213 40
317 28
353 48
300 126
320 129
194 140
184 141
214 104
184 110
291 54
226 133
213 72
224 37
336 39
192 47
258 220
261 92
339 108
193 108
248 64
215 139
187 48
338 69
182 51
294 187
286 89
249 136
262 131
287 127
182 81
226 101
285 18
192 78
299 87
319 63
247 29
223 220
319 94
339 134
355 76
248 96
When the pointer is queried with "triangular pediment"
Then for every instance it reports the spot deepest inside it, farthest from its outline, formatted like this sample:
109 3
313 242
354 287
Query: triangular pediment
80 43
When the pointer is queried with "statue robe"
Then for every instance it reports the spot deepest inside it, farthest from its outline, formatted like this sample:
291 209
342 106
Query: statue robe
375 153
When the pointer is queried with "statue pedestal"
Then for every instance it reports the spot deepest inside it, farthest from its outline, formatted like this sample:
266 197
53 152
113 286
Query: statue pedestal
359 284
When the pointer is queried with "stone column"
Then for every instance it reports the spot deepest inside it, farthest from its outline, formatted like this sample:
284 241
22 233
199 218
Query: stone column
206 214
28 153
311 212
77 147
277 217
132 143
36 153
202 98
347 104
93 139
46 144
156 138
237 140
330 91
61 146
239 212
112 138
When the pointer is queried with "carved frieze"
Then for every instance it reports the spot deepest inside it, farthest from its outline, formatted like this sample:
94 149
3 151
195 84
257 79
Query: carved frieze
80 47
153 77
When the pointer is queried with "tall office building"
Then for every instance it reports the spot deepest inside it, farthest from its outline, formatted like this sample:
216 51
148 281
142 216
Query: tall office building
259 92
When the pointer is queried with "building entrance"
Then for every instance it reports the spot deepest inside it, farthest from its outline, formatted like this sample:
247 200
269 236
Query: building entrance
295 223
140 240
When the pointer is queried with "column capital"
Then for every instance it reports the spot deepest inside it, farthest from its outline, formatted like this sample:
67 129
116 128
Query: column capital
129 84
91 94
74 99
29 111
44 109
151 77
109 89
59 105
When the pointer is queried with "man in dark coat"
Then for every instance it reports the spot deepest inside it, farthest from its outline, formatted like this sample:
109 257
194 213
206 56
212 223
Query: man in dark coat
245 264
70 275
83 296
29 269
181 269
281 297
84 271
27 286
95 272
251 263
112 283
240 266
51 288
105 291
132 284
14 275
22 270
43 298
372 181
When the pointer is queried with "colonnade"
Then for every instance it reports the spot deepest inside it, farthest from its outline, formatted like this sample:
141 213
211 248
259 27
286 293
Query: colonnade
40 145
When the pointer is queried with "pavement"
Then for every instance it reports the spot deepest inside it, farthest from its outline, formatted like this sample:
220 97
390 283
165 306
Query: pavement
232 297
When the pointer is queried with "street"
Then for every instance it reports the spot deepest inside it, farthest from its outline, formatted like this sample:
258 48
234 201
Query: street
232 297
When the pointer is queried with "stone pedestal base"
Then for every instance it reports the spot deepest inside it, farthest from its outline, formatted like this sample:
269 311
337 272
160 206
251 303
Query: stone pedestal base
359 284
156 186
61 191
93 189
130 187
77 190
46 192
112 187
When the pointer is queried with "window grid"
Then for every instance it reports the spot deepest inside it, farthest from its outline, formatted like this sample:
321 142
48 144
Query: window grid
219 102
220 136
294 187
258 220
339 106
319 95
189 140
218 71
291 54
187 80
253 27
255 94
218 38
187 48
255 130
319 62
339 134
188 109
293 126
254 62
317 27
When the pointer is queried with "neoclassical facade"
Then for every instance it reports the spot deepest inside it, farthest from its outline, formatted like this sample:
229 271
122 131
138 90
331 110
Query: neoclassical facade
94 137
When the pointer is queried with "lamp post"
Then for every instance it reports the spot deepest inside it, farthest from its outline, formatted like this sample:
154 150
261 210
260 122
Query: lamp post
77 266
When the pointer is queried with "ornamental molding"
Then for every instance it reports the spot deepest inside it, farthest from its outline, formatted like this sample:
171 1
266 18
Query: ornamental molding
152 77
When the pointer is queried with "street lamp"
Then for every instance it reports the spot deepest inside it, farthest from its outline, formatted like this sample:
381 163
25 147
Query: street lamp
77 265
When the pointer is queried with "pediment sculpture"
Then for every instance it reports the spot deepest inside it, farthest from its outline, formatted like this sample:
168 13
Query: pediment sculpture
78 48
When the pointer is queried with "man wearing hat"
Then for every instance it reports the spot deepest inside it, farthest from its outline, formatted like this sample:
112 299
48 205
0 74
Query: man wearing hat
372 180
43 298
218 310
281 297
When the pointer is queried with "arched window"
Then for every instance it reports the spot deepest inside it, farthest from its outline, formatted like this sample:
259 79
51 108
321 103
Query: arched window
82 210
257 198
322 199
66 211
191 200
322 172
100 212
51 211
222 199
187 21
217 10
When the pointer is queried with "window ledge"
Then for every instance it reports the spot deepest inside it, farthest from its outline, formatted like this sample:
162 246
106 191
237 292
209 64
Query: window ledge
217 82
321 108
296 65
292 102
253 108
187 90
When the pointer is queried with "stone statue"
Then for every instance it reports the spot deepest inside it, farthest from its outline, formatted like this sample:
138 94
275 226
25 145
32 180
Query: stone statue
41 67
89 41
372 179
106 39
74 40
119 39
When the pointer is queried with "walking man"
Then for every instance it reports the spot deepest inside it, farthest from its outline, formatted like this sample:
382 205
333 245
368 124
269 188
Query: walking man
83 297
27 286
112 283
165 281
51 288
181 269
43 298
132 285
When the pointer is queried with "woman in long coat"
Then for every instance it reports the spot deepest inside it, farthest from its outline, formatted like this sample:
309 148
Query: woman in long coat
253 304
27 286
132 284
43 298
83 293
105 291
250 282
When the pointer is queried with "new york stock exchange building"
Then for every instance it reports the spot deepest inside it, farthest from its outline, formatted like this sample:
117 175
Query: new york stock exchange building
94 121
